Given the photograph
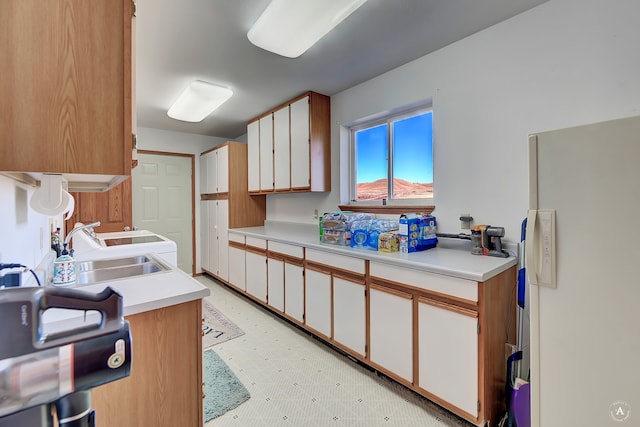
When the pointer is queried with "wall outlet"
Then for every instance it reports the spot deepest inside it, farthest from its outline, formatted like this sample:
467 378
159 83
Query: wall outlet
315 214
465 221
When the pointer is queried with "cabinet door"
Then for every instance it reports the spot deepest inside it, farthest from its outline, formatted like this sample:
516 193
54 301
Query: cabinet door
205 238
253 156
204 186
275 283
257 275
349 317
214 252
300 160
237 273
318 301
294 291
266 153
448 353
223 238
281 147
222 170
66 87
391 331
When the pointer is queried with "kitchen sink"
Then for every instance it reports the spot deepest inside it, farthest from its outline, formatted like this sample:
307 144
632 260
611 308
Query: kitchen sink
90 272
108 263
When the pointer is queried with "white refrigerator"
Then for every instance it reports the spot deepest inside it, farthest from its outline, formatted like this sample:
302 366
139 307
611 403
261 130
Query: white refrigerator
583 271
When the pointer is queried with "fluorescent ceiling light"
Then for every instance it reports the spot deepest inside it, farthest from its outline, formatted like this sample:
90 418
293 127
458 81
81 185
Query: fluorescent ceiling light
198 100
290 27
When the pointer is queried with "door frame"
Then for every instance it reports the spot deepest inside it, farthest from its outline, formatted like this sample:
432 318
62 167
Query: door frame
193 202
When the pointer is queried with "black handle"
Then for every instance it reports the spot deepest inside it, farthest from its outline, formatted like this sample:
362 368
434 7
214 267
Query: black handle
108 301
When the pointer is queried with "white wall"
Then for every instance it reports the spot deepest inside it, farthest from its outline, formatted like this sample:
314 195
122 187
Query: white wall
564 63
24 234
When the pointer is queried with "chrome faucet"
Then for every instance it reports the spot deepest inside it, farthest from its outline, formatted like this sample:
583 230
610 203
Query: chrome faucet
87 227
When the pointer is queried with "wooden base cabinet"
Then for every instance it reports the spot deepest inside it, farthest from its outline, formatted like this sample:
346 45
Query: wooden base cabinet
165 385
294 291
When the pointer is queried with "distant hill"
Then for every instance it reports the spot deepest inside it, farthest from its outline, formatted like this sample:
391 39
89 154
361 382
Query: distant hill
377 190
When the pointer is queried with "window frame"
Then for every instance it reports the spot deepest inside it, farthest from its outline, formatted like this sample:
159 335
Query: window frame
387 118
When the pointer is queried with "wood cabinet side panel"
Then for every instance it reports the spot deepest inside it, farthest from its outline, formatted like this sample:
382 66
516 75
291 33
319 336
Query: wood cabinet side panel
244 210
320 140
165 385
497 316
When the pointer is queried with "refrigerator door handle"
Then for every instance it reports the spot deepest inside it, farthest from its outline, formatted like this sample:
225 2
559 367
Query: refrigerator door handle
531 249
541 251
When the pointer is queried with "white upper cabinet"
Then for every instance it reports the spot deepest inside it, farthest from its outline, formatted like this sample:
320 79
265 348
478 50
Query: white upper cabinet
266 153
283 150
300 144
253 156
290 147
214 172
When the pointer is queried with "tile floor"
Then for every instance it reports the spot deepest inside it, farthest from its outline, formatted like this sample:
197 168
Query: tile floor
295 380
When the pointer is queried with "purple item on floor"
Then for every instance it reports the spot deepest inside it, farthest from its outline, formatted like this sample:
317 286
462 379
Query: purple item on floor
521 406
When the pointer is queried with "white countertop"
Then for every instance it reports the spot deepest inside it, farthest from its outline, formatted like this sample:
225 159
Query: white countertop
140 293
448 258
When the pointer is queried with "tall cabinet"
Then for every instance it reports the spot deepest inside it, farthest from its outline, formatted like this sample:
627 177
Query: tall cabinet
289 147
66 86
225 203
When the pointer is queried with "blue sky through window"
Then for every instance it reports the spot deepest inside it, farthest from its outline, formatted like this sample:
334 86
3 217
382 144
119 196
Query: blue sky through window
413 153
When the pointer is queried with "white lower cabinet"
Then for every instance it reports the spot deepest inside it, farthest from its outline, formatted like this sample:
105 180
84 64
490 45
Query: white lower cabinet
391 331
349 314
294 291
256 275
214 216
275 283
448 353
318 301
237 265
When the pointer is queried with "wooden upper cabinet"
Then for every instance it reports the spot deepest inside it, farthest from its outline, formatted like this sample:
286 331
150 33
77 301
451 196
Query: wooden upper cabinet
290 147
65 91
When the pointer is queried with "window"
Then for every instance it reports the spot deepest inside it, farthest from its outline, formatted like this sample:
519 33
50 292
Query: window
392 157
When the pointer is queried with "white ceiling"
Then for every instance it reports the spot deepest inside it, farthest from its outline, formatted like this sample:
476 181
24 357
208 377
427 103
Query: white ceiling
182 40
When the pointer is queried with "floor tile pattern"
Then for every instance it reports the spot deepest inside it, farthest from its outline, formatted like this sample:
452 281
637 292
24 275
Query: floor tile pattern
295 380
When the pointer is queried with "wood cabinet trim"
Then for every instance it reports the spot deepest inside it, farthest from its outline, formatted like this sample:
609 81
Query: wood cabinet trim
448 307
237 245
392 291
419 292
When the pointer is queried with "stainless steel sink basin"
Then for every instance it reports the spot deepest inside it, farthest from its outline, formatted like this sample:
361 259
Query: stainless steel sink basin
108 263
90 272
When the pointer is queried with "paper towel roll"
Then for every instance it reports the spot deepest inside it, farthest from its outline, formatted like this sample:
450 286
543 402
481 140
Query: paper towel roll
51 198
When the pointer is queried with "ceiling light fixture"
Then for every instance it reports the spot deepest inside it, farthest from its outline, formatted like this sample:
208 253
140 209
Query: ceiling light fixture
198 100
290 27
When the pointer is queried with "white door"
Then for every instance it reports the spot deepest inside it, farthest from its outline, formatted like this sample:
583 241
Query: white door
266 153
282 149
205 259
253 155
294 291
300 148
448 353
222 169
256 275
223 238
162 201
391 331
318 301
275 283
349 318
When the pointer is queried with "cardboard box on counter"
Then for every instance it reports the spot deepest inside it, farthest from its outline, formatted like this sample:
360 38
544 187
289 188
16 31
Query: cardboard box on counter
388 242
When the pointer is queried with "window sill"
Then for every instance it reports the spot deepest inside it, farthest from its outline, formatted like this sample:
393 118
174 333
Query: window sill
388 209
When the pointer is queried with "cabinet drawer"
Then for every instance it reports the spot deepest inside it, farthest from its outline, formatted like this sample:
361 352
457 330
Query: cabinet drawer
256 242
285 249
238 238
447 285
342 262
